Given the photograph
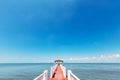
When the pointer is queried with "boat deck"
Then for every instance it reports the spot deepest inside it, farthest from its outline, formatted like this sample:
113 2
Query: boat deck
58 74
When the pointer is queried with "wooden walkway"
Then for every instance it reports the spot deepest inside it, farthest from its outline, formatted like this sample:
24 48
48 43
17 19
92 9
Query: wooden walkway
58 74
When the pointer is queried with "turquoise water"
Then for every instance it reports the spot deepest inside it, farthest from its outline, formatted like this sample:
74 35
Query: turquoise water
85 71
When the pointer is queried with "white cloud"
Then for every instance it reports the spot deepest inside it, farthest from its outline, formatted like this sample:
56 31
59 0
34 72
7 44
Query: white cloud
101 58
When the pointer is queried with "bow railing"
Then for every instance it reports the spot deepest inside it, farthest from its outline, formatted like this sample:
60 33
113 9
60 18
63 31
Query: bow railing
71 76
43 76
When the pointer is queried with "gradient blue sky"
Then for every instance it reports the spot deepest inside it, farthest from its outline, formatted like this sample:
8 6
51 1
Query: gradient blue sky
43 30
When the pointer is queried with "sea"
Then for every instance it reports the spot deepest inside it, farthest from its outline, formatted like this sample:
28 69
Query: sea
84 71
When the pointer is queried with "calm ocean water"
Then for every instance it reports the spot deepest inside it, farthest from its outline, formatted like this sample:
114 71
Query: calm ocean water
85 71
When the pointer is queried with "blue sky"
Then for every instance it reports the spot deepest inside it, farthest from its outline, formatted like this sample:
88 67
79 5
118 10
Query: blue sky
41 31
